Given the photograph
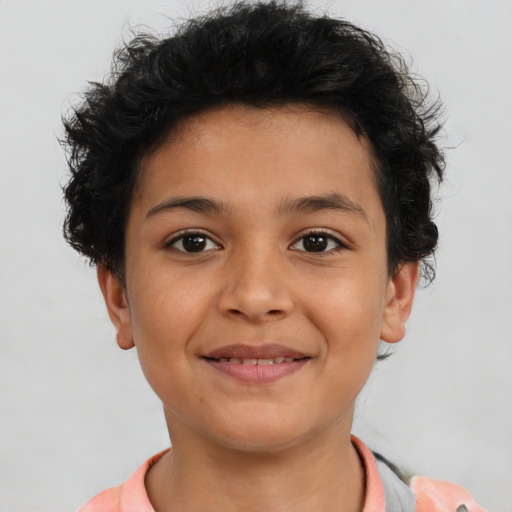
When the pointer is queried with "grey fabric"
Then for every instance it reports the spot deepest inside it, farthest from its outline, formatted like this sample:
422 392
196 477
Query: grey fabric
399 497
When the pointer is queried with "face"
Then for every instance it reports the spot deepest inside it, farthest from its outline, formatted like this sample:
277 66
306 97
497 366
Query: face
256 276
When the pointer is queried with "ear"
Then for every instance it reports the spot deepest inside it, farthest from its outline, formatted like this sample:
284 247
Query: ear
399 298
118 309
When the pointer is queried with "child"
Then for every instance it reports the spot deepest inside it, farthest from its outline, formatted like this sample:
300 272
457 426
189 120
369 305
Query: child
255 193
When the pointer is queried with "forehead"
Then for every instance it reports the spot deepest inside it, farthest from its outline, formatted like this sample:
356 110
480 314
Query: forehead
251 153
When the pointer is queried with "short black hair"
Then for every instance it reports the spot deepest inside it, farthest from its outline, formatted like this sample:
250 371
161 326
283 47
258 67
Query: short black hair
261 54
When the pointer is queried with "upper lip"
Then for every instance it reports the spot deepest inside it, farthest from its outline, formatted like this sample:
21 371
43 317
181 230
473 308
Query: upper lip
265 351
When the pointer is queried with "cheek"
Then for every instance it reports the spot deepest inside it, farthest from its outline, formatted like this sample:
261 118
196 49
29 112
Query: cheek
165 318
167 303
169 310
349 318
351 306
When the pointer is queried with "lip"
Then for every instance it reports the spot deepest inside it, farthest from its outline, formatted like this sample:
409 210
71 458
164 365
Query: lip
256 373
264 351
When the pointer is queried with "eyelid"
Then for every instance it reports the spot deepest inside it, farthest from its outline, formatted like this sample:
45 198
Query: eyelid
342 244
175 237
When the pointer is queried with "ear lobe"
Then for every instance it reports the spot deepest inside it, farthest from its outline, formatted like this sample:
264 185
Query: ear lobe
118 309
399 300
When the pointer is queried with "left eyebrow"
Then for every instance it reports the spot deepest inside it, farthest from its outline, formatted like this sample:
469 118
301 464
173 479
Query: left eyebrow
312 204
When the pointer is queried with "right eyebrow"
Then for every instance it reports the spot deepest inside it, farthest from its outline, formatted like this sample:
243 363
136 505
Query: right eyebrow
195 204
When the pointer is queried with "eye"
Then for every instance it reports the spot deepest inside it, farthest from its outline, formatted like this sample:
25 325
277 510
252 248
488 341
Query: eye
192 243
317 242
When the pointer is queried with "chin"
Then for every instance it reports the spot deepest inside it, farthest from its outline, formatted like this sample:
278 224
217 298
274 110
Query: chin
270 444
264 436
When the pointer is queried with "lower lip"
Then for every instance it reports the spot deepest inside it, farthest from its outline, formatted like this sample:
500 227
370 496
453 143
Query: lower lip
257 374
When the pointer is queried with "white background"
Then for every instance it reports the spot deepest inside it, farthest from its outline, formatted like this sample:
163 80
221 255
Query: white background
76 415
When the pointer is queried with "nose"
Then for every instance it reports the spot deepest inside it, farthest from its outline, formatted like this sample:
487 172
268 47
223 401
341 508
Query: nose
255 289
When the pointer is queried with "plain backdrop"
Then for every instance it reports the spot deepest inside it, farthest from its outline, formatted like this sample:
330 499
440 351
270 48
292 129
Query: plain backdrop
76 415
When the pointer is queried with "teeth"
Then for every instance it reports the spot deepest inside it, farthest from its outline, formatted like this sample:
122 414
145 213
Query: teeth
254 361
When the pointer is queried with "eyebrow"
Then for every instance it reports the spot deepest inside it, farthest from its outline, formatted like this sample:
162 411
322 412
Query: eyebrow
195 204
307 204
312 204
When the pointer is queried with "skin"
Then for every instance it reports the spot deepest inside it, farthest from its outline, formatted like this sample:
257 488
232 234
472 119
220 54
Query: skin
283 445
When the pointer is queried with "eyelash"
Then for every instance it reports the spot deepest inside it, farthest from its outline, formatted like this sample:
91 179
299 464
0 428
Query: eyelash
198 234
183 235
330 238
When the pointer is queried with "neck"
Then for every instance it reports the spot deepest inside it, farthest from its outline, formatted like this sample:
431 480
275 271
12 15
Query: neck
322 474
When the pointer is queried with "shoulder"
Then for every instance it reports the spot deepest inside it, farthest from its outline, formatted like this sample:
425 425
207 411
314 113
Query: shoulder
106 501
387 490
129 497
438 496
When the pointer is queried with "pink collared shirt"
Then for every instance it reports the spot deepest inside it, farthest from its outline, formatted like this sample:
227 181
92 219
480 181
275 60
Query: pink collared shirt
431 495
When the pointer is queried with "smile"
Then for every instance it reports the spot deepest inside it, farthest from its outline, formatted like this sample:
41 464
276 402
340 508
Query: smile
254 361
256 364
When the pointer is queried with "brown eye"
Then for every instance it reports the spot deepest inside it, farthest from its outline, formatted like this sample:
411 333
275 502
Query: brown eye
317 242
193 243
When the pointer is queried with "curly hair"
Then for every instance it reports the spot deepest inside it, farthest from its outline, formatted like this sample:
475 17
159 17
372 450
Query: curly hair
260 54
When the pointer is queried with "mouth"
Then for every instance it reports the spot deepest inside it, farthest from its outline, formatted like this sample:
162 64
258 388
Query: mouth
263 361
256 364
